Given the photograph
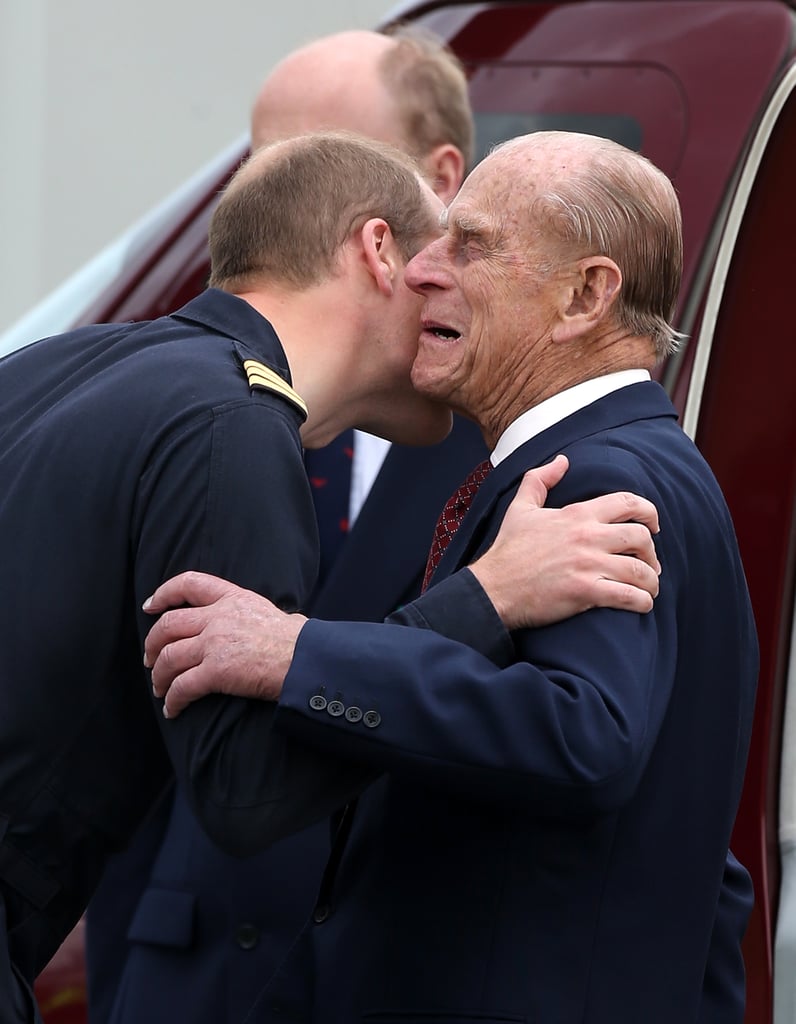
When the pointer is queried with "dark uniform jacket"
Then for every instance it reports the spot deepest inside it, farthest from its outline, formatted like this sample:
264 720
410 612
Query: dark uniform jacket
179 930
127 454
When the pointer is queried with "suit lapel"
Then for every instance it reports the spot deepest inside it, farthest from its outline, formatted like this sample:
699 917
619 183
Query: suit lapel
634 402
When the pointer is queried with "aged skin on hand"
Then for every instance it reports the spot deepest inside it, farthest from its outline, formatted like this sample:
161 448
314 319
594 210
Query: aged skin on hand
545 565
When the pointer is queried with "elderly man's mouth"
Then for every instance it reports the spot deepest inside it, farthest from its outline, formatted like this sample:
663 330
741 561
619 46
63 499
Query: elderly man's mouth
441 331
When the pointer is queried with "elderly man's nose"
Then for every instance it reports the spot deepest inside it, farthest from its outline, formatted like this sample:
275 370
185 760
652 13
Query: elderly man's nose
422 271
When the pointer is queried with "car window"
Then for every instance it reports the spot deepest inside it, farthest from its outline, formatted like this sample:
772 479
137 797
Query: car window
492 128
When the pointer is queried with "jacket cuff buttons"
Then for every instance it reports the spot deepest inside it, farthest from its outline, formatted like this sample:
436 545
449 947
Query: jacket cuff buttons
337 709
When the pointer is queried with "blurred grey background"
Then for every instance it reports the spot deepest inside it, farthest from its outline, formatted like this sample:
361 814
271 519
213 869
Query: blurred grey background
106 107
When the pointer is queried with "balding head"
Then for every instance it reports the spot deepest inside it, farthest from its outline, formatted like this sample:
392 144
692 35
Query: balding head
406 89
595 197
330 83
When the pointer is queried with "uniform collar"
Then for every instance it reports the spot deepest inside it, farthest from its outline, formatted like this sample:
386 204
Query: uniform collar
235 318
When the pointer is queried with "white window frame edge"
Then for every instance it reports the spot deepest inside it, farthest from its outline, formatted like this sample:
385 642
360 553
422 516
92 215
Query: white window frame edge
785 931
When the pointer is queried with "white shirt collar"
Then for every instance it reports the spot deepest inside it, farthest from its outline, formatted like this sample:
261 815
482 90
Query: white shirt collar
558 407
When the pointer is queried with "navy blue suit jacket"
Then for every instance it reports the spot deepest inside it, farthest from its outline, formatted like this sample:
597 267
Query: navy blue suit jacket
178 930
550 842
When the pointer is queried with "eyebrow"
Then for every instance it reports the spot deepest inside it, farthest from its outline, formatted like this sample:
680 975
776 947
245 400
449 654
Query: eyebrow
467 226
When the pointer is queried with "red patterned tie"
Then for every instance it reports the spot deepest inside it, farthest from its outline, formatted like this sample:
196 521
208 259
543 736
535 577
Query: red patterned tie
452 515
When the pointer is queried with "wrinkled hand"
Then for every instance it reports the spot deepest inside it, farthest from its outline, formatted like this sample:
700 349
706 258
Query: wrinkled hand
547 564
231 641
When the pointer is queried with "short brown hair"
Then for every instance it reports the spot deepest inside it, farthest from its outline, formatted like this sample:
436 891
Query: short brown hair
428 84
292 205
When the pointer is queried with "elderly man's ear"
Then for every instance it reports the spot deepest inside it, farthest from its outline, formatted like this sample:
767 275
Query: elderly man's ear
589 298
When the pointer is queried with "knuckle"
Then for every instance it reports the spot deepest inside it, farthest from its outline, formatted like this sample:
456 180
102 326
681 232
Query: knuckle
635 568
166 658
635 537
165 625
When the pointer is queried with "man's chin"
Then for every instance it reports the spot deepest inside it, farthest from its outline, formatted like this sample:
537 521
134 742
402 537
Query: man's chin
429 381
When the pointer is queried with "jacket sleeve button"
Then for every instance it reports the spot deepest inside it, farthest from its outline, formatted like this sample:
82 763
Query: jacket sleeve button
318 702
371 719
247 936
353 714
335 708
321 913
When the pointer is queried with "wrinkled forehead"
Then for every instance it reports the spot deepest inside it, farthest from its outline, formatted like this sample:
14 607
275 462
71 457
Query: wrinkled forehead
530 164
495 194
515 172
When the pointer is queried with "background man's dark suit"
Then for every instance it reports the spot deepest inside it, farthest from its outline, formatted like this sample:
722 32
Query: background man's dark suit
206 929
551 843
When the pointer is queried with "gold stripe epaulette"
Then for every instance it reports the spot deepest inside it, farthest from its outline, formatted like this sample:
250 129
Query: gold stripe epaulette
261 376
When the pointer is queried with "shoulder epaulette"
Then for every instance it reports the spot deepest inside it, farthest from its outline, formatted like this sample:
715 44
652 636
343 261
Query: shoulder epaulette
263 377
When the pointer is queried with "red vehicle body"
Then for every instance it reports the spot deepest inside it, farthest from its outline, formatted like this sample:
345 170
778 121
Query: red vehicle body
707 90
